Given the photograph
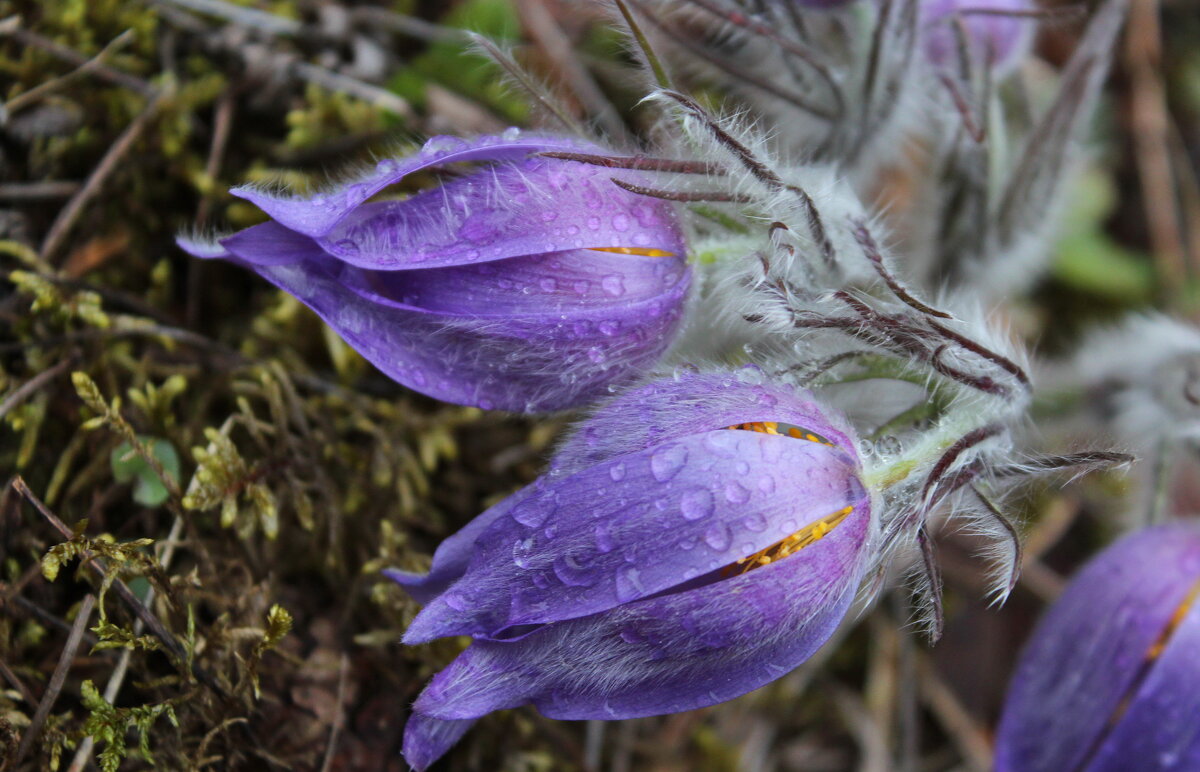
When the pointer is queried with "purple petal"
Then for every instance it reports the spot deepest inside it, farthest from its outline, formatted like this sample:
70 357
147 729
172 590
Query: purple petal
427 739
641 524
1160 729
1088 652
666 653
536 206
452 556
538 284
668 408
317 215
520 363
997 39
272 244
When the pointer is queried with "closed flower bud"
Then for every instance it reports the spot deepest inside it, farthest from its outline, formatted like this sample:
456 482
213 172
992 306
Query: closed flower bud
696 539
528 284
1111 678
995 32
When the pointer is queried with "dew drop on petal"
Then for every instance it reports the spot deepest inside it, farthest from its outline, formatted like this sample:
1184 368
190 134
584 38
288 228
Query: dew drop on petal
523 551
617 471
530 514
696 504
608 328
717 536
604 538
736 494
755 522
574 571
548 284
629 584
667 460
613 285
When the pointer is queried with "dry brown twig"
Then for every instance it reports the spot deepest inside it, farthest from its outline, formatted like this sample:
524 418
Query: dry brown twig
59 677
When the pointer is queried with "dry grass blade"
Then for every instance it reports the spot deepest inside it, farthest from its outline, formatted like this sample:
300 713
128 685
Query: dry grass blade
82 617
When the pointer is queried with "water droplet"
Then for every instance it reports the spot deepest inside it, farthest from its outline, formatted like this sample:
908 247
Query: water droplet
687 544
755 522
523 552
608 328
766 484
736 494
596 355
613 285
620 223
631 635
617 471
531 513
593 223
696 504
581 287
742 467
717 536
511 133
548 284
629 584
604 538
888 445
456 601
667 461
574 570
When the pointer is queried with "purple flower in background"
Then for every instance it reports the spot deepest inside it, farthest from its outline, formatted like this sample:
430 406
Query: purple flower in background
697 538
995 31
527 284
1111 677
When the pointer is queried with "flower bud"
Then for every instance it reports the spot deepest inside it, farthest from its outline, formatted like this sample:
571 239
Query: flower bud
1111 678
708 548
529 284
995 32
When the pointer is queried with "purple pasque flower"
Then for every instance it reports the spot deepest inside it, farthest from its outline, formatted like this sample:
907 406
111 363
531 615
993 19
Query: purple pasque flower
528 284
996 32
698 537
1110 679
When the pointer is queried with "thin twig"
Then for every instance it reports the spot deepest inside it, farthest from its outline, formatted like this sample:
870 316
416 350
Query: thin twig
113 688
339 721
95 181
152 622
17 683
70 56
29 193
560 51
59 677
30 387
22 100
960 725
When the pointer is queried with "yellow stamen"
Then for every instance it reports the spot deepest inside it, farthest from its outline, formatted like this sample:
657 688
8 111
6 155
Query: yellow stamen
806 536
634 251
1173 623
773 427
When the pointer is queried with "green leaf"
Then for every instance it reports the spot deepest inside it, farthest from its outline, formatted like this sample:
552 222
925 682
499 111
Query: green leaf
128 466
